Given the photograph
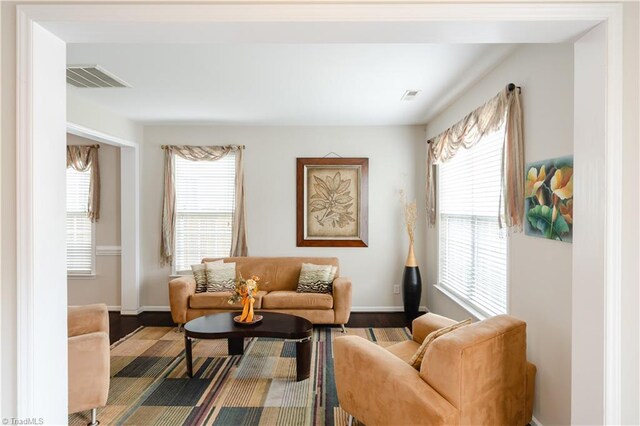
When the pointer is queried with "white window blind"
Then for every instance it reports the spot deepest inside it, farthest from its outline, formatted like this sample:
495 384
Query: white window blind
80 258
205 201
472 248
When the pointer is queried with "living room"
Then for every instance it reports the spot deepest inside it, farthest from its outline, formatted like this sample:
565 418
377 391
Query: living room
278 97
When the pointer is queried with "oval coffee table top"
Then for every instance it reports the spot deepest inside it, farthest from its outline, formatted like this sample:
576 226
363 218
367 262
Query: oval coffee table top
217 326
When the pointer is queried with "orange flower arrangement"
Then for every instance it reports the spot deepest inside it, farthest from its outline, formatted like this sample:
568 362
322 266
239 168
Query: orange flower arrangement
245 291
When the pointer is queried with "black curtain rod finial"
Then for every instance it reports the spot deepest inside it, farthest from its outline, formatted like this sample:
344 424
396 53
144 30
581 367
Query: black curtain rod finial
511 87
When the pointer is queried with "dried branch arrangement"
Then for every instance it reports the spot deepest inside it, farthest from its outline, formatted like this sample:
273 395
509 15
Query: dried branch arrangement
410 215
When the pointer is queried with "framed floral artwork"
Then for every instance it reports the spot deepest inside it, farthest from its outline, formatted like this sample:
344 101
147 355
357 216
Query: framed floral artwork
549 199
332 202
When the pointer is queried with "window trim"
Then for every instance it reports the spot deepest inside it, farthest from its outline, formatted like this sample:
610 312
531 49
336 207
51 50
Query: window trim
452 294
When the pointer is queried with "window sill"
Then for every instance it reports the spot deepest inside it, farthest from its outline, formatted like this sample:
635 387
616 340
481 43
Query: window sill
178 275
463 304
81 276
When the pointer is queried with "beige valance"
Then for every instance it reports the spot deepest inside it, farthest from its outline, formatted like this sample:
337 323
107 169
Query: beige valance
83 158
201 153
505 109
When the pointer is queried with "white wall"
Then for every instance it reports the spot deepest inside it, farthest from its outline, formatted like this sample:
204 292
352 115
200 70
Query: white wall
105 286
631 214
539 270
270 173
588 402
8 272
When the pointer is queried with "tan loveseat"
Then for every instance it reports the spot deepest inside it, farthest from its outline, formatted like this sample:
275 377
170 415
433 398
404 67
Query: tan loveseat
89 365
277 292
475 375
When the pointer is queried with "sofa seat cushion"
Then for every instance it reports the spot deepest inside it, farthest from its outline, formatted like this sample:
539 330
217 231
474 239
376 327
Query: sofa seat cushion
294 300
404 350
218 300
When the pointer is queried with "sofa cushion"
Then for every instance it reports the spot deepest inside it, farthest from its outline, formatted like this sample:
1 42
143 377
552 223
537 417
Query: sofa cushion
293 300
276 273
200 275
416 359
404 350
220 276
315 278
218 300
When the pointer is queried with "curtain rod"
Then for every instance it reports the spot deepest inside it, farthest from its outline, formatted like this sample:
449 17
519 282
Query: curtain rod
510 87
239 146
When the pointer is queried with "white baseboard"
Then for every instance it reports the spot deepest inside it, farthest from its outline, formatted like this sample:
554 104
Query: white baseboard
113 308
382 308
353 309
155 309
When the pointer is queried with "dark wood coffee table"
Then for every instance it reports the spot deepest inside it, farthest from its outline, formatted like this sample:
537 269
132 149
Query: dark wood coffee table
280 326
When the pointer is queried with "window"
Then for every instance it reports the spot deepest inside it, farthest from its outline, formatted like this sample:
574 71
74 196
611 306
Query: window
80 251
472 247
205 202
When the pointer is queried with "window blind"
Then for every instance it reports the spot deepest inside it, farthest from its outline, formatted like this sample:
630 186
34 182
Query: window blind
205 202
472 247
80 257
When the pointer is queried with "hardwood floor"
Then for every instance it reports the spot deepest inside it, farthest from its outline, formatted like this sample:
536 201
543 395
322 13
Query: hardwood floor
121 325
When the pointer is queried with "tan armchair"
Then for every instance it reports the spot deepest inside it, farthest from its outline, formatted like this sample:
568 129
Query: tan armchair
475 375
89 366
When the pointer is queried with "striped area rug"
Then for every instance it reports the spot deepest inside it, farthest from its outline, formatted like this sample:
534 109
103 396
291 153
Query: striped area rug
149 384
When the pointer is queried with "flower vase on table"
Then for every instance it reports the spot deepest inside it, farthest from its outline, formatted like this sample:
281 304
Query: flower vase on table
245 292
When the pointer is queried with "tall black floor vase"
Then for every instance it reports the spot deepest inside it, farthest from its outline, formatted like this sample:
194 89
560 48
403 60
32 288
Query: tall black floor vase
411 286
411 292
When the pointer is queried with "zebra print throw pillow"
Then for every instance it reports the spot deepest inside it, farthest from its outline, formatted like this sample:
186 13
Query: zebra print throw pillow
200 275
221 276
316 278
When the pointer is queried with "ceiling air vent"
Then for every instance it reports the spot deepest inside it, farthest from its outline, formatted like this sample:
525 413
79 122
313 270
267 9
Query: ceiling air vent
92 76
410 95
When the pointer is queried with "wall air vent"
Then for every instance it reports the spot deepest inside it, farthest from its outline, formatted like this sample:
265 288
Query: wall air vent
410 95
92 76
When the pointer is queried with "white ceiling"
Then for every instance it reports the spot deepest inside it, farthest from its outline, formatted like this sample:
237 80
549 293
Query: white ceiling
284 84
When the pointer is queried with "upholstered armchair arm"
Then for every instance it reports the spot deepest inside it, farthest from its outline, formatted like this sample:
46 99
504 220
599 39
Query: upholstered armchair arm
87 319
423 325
530 380
89 371
342 299
180 289
378 388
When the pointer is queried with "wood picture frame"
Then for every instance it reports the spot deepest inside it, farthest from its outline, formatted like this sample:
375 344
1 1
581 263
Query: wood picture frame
332 202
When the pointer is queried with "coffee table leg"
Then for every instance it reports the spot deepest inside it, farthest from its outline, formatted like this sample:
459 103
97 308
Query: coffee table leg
235 345
303 359
188 356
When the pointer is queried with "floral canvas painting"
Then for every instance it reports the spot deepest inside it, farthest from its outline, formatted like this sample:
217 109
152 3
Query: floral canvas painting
332 202
549 199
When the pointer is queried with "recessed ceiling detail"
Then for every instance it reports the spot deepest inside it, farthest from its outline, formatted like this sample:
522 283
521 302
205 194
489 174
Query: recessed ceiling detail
92 76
